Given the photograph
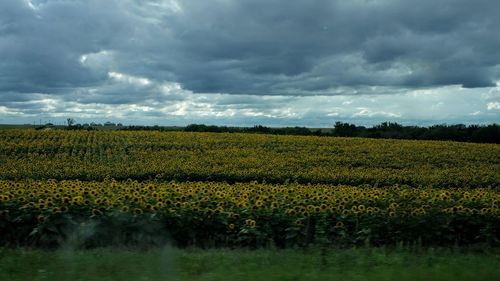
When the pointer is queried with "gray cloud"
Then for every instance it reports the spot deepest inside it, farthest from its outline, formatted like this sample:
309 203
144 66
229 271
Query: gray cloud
68 51
450 42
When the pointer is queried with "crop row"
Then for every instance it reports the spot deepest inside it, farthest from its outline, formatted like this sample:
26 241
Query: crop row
51 213
29 154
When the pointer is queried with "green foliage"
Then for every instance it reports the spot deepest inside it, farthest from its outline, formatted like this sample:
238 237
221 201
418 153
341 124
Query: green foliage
242 265
209 214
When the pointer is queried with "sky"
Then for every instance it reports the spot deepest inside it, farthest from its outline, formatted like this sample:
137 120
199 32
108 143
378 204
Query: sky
248 62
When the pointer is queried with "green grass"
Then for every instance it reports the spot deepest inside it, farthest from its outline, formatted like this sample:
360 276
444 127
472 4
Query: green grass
175 264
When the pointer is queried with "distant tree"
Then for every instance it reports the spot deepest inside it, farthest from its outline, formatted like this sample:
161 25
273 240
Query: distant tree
70 121
490 133
344 129
389 126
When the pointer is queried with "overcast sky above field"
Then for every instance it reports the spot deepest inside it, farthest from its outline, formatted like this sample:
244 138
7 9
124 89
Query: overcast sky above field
247 62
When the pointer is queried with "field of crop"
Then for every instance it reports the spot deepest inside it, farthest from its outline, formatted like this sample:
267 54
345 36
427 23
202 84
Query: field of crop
63 155
146 188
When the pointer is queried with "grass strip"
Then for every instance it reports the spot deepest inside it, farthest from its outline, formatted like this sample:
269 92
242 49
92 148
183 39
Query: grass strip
265 264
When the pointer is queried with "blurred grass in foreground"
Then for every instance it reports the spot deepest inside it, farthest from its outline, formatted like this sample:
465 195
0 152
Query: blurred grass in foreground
220 264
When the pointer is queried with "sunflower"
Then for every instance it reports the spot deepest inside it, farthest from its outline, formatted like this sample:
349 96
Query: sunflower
251 223
41 219
124 209
259 203
96 212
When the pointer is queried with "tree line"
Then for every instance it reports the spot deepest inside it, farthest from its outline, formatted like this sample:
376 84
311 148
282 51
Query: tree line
386 130
459 132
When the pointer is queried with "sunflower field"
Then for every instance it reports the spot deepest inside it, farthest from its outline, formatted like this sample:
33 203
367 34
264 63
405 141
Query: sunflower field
203 189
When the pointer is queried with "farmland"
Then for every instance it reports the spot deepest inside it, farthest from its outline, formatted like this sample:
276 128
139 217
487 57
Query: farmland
62 155
243 190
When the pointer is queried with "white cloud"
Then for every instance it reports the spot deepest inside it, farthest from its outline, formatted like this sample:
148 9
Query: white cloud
6 112
30 4
493 105
365 112
168 103
140 81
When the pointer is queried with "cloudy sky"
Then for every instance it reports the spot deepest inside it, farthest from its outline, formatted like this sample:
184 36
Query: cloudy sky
247 62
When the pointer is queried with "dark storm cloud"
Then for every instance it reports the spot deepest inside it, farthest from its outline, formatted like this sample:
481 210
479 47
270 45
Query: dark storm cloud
40 50
270 42
256 47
